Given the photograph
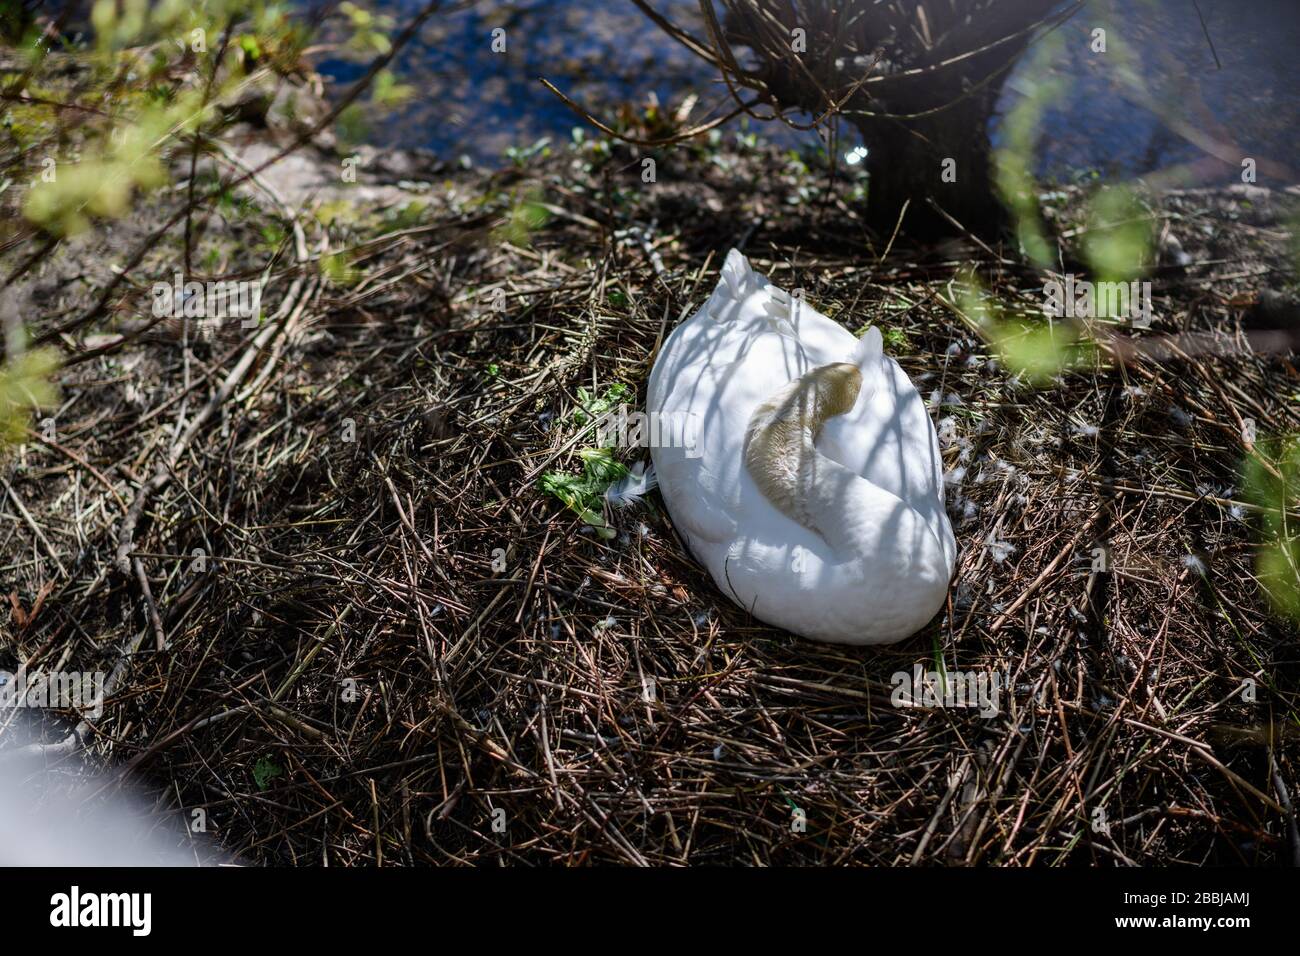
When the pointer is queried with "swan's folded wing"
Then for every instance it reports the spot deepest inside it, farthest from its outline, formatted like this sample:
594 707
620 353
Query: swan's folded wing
698 512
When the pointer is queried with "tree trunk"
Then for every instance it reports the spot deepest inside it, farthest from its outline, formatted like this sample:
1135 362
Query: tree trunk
934 71
944 161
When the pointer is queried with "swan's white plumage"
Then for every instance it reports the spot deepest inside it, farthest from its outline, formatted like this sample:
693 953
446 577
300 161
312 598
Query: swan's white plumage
881 569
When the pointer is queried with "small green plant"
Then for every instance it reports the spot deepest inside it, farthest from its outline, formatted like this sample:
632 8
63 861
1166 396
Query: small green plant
583 494
524 216
594 407
337 269
266 770
519 156
896 340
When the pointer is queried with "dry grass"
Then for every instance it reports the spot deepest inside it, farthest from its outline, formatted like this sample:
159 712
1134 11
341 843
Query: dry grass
602 694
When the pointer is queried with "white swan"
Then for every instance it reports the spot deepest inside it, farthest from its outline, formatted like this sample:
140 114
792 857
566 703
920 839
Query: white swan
800 466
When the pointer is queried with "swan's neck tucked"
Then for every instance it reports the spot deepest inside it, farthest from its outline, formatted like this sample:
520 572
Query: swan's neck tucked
781 454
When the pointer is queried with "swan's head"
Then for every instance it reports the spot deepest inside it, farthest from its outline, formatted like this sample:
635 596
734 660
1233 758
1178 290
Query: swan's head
835 387
779 452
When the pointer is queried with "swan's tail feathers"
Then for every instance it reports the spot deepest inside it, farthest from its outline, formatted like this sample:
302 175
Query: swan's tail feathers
738 274
867 353
737 282
869 356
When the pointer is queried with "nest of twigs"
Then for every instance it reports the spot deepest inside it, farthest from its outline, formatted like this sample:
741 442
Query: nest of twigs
350 626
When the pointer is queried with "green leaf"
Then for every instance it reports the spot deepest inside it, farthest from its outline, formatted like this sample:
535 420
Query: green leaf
264 771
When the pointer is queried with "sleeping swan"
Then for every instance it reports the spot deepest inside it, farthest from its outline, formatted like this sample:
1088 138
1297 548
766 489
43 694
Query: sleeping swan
810 483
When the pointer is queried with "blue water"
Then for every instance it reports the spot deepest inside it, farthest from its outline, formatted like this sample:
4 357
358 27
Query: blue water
473 102
1205 104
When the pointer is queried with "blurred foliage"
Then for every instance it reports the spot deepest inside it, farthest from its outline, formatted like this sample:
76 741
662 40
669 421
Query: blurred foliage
90 159
352 125
1013 161
1120 235
387 92
404 217
114 117
520 155
1121 244
102 182
1271 482
369 30
1025 343
16 19
167 74
25 386
524 215
337 269
337 212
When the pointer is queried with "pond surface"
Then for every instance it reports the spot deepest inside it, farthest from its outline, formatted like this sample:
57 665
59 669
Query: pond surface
1198 104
